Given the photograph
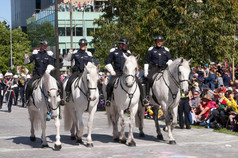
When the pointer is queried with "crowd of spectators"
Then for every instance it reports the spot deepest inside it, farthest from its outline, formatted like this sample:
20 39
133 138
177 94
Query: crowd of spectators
213 96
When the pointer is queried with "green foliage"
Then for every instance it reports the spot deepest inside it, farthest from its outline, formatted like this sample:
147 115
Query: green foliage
20 44
202 31
36 32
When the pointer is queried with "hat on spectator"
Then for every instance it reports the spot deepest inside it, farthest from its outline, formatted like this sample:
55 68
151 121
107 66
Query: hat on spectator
207 96
229 88
15 76
205 86
206 65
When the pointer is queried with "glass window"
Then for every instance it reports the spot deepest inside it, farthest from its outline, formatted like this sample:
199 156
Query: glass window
61 31
79 31
90 31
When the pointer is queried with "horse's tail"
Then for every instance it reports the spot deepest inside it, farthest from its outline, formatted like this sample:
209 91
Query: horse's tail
139 117
34 118
67 118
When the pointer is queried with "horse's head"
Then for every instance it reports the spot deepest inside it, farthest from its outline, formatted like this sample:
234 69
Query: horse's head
130 70
92 78
52 93
183 74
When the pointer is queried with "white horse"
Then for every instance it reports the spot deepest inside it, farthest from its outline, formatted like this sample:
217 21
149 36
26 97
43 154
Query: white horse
85 96
45 98
166 90
126 94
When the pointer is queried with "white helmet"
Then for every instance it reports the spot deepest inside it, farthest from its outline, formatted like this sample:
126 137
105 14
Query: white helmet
7 74
28 76
23 75
1 76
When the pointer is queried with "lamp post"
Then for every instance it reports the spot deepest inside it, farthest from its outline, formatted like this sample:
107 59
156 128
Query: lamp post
10 40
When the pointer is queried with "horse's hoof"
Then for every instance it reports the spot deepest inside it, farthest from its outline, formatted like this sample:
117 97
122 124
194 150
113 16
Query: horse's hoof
79 141
141 135
122 141
58 147
160 137
44 145
131 144
116 139
72 137
89 145
172 142
33 139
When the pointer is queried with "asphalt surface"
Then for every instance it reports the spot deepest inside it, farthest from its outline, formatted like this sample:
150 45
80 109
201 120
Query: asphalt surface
15 142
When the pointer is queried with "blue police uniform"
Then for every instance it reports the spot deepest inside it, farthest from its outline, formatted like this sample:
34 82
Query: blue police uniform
157 57
42 59
81 58
116 57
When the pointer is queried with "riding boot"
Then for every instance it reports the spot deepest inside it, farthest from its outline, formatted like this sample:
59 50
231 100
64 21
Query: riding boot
109 95
147 93
143 101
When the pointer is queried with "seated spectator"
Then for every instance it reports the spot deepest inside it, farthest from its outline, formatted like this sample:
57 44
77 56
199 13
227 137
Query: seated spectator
205 108
194 103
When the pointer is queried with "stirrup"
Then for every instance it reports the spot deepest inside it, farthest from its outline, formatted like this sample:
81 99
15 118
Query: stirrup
108 103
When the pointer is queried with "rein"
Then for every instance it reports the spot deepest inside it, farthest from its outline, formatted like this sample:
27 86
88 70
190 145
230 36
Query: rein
129 94
86 94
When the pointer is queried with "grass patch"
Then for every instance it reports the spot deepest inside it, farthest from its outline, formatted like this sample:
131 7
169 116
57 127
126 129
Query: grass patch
197 127
224 130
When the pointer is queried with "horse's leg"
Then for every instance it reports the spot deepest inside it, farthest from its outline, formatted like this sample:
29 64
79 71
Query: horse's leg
114 119
155 115
123 125
139 119
32 120
131 141
57 125
90 124
168 125
81 126
72 132
175 115
43 128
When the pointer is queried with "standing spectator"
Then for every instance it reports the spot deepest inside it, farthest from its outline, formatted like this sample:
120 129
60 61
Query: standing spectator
184 108
226 78
206 69
92 6
210 80
2 87
103 5
219 80
79 6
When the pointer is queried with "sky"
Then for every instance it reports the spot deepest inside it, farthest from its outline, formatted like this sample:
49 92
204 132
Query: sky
5 10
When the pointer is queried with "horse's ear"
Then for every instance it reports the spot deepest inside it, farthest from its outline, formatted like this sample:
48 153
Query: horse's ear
190 61
98 67
138 57
181 60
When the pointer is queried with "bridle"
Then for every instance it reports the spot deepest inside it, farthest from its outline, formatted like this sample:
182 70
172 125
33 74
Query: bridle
49 107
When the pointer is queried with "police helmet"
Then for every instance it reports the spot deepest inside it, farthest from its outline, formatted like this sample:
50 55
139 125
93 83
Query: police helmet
123 41
158 38
83 41
44 42
1 75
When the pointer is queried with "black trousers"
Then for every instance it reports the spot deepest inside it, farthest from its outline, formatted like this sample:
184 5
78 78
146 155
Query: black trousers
1 98
220 116
71 80
16 92
184 108
21 89
9 97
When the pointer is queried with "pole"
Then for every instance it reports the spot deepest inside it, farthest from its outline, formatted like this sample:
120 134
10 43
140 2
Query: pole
71 28
56 39
10 41
233 56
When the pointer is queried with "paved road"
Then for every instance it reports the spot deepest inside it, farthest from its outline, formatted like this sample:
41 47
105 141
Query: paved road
15 131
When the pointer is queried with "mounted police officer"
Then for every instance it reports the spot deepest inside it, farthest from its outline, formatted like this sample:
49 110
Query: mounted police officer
157 56
116 57
44 62
81 58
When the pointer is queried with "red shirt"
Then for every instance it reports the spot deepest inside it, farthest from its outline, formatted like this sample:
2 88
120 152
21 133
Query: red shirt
207 105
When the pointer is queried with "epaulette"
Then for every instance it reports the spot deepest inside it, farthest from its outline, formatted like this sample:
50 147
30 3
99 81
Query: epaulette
150 48
50 53
128 51
112 50
75 51
89 53
35 51
167 49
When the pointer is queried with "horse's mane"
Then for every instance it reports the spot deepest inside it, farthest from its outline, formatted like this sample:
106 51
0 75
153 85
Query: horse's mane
48 82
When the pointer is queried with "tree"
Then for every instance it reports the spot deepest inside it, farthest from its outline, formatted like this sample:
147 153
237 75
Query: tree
198 30
36 32
20 44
